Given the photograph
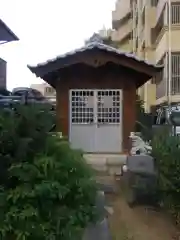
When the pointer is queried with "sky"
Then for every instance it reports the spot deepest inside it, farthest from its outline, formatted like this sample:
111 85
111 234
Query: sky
47 28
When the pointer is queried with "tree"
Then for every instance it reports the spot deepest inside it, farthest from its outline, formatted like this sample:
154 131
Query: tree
47 190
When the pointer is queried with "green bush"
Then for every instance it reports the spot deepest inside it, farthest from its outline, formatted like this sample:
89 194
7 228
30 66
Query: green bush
23 134
144 120
166 151
47 190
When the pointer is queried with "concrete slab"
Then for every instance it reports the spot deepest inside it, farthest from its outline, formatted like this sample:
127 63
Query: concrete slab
103 162
99 230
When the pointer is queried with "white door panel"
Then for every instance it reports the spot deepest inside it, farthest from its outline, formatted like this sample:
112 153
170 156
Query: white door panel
95 120
82 120
108 139
108 131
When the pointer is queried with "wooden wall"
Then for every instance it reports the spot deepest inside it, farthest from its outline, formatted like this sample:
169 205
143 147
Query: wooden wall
106 77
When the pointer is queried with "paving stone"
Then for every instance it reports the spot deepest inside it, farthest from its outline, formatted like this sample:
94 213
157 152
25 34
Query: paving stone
107 188
99 231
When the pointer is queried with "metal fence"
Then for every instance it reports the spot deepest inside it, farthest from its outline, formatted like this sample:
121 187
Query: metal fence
26 99
10 103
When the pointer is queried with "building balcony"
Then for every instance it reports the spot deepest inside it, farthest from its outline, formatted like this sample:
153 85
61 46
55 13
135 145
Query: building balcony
122 10
159 8
161 92
162 46
162 22
122 32
155 32
162 83
174 9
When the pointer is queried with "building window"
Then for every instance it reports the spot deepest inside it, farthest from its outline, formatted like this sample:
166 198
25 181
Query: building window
49 90
175 13
163 79
175 69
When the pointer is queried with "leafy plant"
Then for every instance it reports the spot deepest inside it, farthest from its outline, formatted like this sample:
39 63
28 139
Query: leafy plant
47 190
166 151
144 120
23 134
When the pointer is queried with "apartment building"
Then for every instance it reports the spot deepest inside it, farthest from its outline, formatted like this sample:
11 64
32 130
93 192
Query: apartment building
151 30
166 42
6 35
122 25
105 33
47 91
3 73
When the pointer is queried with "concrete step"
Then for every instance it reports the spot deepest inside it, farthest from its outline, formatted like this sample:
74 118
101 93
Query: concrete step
110 163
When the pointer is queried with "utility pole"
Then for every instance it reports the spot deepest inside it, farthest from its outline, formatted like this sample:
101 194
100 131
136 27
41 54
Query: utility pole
169 54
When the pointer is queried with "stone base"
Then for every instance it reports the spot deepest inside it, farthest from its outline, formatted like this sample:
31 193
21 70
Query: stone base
109 163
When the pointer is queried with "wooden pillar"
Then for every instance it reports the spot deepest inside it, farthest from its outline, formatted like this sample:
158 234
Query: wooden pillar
62 101
129 114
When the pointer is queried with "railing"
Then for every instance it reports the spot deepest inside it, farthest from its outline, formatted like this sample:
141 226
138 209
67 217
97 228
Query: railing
10 103
162 18
161 90
175 13
175 85
25 99
175 82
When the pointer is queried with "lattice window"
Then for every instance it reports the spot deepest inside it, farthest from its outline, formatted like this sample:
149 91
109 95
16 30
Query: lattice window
82 107
108 106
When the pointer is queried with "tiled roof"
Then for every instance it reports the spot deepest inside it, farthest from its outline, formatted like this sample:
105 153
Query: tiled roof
90 45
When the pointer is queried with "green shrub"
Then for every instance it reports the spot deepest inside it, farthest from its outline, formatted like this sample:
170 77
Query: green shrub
23 134
166 151
144 120
47 191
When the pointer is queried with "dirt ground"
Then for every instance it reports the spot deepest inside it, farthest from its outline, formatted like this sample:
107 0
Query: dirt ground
139 223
